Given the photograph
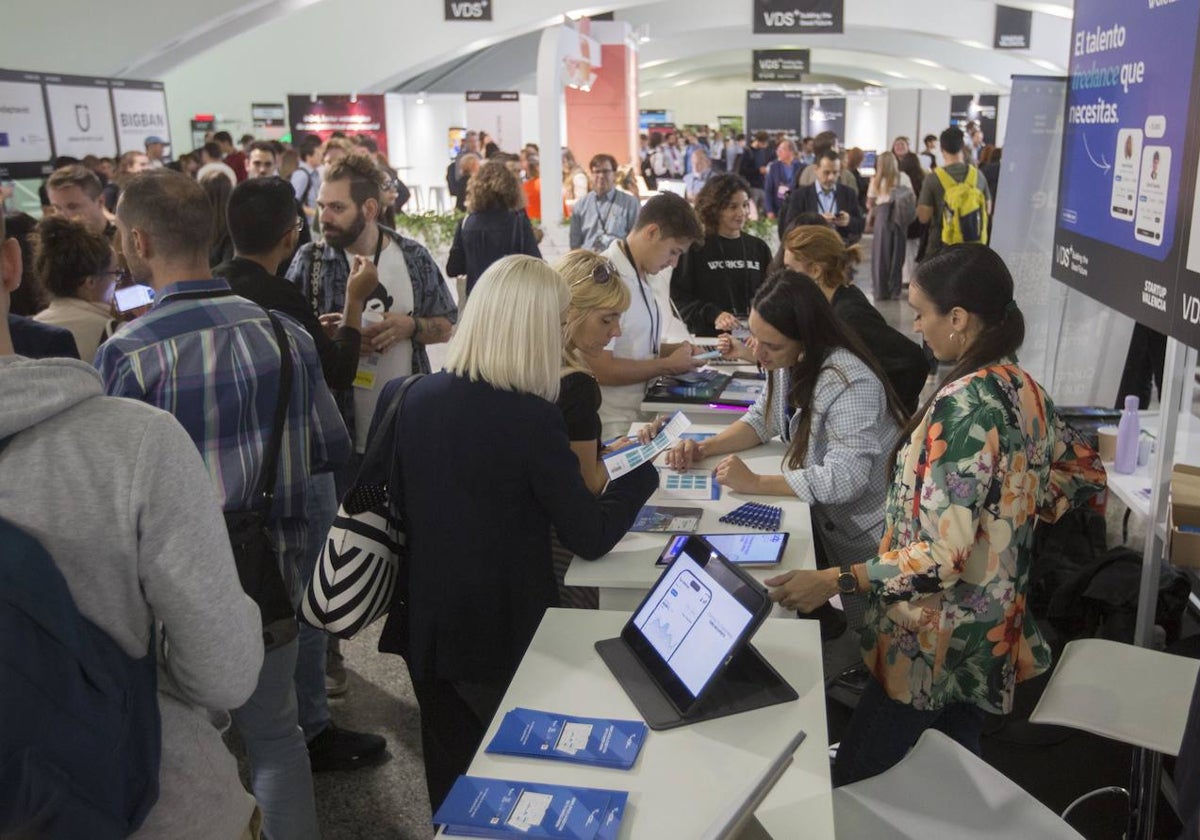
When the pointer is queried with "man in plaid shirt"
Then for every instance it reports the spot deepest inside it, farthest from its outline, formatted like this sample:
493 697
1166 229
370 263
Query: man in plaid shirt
212 360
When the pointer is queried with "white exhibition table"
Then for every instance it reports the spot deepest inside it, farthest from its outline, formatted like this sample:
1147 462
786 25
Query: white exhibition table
1134 489
684 777
626 573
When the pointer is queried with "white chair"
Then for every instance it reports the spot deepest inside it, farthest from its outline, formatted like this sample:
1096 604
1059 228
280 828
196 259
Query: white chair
1130 694
942 789
416 199
437 199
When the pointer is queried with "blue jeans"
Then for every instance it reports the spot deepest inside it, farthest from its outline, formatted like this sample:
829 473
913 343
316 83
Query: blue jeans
883 730
312 702
280 775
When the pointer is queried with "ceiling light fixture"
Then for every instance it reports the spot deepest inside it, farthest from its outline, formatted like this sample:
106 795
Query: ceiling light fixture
1046 65
925 62
979 45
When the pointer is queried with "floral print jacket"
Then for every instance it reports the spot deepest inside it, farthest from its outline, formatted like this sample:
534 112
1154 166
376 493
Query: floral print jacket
946 621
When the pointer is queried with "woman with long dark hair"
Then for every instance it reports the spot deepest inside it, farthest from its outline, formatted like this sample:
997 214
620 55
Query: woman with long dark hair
947 635
716 279
830 402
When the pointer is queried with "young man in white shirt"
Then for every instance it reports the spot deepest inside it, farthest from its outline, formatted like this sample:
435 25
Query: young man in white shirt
666 227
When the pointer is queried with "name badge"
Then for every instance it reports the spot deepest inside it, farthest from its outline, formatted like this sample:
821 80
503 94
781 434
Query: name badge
368 367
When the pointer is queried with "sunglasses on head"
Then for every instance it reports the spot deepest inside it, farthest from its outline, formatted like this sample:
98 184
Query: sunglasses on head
601 274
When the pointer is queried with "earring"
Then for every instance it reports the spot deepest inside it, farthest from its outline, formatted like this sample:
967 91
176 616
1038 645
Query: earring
953 336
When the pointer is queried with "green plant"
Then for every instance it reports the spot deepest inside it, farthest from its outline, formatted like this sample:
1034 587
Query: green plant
761 227
432 229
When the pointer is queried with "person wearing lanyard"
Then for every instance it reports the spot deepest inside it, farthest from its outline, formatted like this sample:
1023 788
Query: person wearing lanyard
664 230
606 214
829 401
834 201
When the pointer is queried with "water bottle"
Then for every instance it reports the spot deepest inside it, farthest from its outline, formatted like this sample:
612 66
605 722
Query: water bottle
1127 437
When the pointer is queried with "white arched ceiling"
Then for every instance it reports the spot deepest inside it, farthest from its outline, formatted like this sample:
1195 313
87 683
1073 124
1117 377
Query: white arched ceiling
218 56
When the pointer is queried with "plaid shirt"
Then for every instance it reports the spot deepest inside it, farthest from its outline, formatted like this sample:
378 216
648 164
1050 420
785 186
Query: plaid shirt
214 364
845 476
431 295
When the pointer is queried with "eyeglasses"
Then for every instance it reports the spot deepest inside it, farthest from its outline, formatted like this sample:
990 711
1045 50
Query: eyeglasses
122 274
603 171
601 274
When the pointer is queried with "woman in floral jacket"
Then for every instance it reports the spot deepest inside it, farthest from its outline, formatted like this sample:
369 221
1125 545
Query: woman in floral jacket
947 635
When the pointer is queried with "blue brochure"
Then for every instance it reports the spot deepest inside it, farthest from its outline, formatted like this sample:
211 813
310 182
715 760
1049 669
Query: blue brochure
598 741
482 807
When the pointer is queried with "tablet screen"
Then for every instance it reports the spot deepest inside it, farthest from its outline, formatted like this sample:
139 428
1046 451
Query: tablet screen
692 621
754 549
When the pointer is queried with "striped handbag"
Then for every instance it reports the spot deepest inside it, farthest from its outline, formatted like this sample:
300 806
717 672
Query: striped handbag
364 554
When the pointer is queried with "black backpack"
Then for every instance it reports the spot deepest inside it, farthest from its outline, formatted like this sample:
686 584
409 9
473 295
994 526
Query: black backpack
81 738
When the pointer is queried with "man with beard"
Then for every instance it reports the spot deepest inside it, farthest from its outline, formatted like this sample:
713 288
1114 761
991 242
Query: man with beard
411 305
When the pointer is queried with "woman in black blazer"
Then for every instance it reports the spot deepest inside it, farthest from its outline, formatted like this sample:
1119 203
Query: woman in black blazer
495 227
487 468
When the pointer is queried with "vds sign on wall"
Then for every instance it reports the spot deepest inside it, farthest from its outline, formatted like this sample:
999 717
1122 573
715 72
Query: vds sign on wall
468 9
772 17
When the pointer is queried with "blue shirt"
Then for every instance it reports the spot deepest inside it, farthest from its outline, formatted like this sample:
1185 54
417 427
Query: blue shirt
213 363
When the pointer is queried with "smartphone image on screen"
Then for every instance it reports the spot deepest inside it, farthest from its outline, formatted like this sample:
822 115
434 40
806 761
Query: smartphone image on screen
1150 221
132 297
1125 174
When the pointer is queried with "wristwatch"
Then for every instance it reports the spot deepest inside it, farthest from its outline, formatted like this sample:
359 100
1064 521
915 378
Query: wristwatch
847 583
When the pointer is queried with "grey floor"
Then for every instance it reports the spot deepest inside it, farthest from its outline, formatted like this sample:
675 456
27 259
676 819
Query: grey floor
389 801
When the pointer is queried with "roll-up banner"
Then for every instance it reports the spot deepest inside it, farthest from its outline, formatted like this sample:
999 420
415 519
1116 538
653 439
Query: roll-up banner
1127 231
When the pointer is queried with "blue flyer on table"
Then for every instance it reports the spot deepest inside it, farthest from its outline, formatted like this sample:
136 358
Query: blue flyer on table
597 741
482 807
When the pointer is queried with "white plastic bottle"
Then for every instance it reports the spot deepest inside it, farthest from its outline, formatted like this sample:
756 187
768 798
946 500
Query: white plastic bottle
1127 437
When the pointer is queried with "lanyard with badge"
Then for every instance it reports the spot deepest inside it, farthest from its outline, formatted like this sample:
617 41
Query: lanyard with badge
652 311
368 365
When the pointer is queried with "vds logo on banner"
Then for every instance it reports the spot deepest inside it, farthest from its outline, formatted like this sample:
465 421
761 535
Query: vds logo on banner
807 16
468 9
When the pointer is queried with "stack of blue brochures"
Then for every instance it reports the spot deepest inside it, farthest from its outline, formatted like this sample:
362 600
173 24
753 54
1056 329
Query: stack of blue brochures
598 741
480 807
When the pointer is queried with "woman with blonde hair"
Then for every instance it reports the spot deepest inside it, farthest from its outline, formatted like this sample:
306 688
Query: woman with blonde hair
484 468
598 297
593 319
886 198
495 226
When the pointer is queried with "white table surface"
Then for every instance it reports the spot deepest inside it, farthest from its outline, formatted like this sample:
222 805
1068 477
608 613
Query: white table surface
1134 489
685 776
626 573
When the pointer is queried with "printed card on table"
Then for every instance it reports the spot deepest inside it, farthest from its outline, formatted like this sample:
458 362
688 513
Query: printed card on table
633 456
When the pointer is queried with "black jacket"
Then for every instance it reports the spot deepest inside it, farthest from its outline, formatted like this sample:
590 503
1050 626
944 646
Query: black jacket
902 359
482 238
804 200
35 340
718 275
339 355
485 474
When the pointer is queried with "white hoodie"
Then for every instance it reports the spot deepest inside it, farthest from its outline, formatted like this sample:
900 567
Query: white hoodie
117 493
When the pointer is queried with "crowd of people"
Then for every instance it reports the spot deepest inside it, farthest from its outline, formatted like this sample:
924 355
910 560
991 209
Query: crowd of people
283 298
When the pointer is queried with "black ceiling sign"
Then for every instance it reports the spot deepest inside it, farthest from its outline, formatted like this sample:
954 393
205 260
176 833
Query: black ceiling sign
809 17
1013 27
468 9
781 65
